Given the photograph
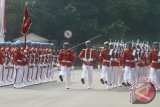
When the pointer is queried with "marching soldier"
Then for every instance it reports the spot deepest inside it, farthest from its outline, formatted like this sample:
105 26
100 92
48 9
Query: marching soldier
66 60
128 60
140 62
115 66
88 56
154 61
105 61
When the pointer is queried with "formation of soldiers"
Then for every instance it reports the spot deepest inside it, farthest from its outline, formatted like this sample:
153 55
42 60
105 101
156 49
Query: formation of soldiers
23 64
120 63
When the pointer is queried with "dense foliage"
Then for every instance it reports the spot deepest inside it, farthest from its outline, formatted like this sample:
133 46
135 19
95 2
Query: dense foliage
117 19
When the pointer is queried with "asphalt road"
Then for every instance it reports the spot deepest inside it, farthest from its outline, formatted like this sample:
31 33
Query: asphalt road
54 94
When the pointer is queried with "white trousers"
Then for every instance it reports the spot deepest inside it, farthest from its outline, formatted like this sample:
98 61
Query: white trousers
141 71
129 74
66 73
35 72
115 74
120 75
19 73
1 73
25 73
5 74
87 73
10 74
30 73
155 75
106 74
44 74
146 71
39 73
50 73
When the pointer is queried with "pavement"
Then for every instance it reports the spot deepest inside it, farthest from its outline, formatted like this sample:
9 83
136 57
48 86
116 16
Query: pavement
54 94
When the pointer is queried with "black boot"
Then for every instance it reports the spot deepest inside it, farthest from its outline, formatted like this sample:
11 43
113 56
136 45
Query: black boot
124 84
128 84
102 81
82 80
61 77
106 82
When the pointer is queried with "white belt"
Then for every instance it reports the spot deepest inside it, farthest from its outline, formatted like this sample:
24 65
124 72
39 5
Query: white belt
19 60
115 60
66 61
130 61
155 62
106 60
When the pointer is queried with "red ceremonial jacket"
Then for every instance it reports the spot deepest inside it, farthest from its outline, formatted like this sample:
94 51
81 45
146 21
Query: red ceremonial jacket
18 58
88 53
66 57
153 59
115 58
104 57
1 57
127 58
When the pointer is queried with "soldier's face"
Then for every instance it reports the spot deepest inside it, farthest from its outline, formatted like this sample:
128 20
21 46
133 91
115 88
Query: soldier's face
88 45
156 46
111 46
65 47
106 46
129 46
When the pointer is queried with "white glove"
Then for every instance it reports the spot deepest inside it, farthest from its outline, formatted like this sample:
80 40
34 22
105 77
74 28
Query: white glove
111 59
40 65
72 67
99 67
10 64
4 64
30 64
84 59
135 59
33 64
90 59
58 65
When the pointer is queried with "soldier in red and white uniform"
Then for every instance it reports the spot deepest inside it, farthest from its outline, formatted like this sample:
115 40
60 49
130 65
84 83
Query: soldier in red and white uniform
29 63
142 59
19 64
115 66
11 66
50 61
88 56
7 63
44 64
154 61
34 62
25 51
66 60
121 70
41 77
105 61
128 61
